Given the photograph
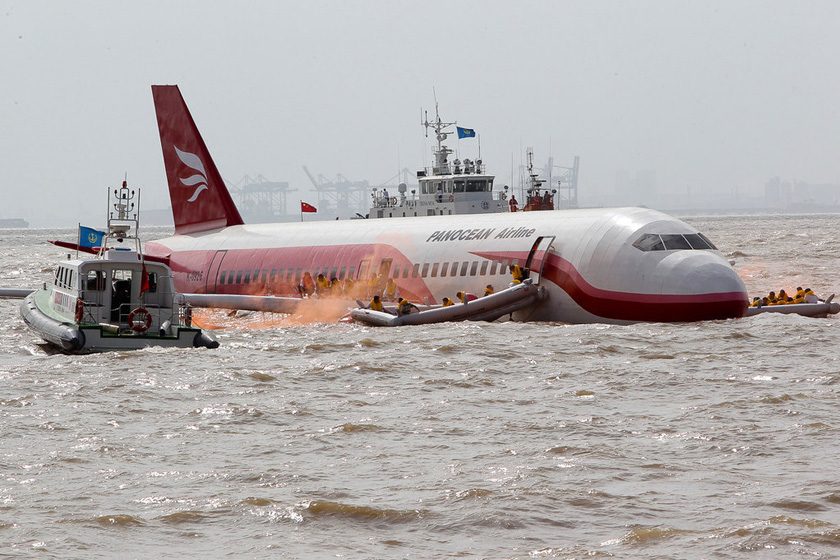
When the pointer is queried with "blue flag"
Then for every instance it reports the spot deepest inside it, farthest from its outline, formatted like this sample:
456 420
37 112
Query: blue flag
89 237
466 132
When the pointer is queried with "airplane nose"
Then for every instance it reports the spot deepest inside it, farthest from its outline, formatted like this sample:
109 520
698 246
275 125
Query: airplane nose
711 287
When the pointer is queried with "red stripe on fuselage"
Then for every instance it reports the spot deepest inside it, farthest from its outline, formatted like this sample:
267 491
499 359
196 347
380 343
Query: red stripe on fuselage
606 304
627 306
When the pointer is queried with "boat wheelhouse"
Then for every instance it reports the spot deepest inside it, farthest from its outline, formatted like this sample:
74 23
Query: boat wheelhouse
115 300
445 188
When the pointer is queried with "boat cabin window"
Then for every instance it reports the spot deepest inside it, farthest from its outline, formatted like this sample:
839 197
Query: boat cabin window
459 185
673 241
477 185
95 281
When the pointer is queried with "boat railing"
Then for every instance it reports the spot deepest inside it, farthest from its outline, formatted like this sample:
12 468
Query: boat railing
159 314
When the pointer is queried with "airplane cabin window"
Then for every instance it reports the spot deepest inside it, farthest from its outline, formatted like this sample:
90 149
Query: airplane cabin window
223 277
425 272
238 276
444 268
414 270
483 270
396 270
473 268
464 266
247 276
435 269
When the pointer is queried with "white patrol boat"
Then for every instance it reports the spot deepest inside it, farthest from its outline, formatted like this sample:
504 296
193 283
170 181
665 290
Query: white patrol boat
115 300
446 188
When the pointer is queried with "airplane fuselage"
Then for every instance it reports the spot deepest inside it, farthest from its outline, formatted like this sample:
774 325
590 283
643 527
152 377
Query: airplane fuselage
594 263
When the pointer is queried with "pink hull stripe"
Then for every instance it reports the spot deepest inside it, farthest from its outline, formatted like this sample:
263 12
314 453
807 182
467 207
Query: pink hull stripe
620 306
625 306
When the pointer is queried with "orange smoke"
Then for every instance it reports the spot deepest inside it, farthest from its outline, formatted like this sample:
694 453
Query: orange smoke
308 312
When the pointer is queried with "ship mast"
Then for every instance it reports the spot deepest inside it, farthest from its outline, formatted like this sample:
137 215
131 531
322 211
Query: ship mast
124 215
441 166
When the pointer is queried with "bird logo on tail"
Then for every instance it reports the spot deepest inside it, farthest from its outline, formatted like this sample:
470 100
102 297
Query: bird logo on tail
193 162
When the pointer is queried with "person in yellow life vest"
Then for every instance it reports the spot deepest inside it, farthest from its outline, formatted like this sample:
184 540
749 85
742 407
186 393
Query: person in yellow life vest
322 285
348 287
517 273
376 304
446 302
755 302
392 292
800 293
782 298
810 296
488 291
465 296
404 307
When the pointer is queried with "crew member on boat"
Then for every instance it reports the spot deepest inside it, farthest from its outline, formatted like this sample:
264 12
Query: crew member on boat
322 286
306 286
488 290
446 302
514 206
466 296
404 307
376 304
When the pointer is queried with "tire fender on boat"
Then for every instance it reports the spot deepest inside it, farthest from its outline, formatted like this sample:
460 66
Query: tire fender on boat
140 320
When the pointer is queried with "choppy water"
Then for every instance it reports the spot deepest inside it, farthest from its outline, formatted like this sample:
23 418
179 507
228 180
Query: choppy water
706 440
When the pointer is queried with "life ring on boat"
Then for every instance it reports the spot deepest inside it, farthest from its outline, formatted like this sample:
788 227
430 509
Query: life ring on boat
451 198
139 320
80 311
393 201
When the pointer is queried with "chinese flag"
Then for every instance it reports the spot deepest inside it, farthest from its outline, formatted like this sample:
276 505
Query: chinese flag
144 281
306 207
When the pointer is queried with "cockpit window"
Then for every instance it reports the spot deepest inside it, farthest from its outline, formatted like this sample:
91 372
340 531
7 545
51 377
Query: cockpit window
673 241
649 242
698 241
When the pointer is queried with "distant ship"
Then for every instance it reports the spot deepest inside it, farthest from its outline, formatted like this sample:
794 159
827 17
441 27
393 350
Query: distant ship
446 188
13 223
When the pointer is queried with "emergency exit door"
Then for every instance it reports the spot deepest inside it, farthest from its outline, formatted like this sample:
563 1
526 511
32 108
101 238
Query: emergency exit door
538 256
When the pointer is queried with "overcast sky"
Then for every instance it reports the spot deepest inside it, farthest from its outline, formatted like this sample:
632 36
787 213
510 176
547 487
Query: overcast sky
713 94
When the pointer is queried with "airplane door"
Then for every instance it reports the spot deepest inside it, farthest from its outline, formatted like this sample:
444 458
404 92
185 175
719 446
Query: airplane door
213 272
538 255
363 272
385 267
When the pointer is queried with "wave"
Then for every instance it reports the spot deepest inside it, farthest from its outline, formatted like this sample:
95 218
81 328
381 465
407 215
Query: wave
320 508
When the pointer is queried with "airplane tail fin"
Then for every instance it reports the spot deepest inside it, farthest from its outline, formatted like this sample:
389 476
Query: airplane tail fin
200 200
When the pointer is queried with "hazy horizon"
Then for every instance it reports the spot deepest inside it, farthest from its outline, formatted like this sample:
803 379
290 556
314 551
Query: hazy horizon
711 97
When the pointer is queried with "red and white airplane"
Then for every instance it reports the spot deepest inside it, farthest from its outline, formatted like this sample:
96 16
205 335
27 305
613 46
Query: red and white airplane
609 265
